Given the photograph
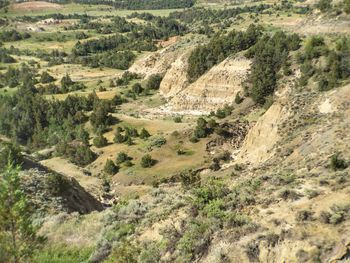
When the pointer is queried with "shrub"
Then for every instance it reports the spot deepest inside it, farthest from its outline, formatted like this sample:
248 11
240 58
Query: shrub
189 178
122 157
238 98
178 119
137 88
46 78
337 163
10 153
253 251
128 140
117 100
194 139
303 215
100 141
157 141
288 194
324 5
346 4
118 137
147 161
194 242
144 134
110 167
154 81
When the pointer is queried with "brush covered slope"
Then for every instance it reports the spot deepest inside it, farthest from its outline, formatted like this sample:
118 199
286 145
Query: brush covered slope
175 131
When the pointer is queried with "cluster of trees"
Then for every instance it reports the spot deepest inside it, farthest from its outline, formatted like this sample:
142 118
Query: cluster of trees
13 35
116 51
18 234
141 4
203 129
100 118
269 54
125 79
112 59
5 56
325 6
336 67
125 135
220 47
67 84
77 152
211 15
15 76
28 118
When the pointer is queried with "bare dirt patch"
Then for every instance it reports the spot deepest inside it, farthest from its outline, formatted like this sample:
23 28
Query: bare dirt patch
34 6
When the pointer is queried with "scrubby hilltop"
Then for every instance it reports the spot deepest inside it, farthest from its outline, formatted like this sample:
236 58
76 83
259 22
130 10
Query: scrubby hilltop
213 132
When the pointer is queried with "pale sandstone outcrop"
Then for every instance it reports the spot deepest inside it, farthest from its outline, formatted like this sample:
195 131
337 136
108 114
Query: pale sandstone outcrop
175 80
159 62
214 89
262 138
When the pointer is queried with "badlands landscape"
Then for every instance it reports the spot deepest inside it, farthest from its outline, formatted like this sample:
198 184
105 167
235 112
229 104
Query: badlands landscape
174 131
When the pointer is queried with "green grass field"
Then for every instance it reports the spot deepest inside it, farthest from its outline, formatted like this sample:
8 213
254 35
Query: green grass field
92 10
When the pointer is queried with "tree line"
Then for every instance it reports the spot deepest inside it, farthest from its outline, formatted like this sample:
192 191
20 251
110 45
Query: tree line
219 48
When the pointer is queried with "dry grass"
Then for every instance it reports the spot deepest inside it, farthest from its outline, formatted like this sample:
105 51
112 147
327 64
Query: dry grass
35 6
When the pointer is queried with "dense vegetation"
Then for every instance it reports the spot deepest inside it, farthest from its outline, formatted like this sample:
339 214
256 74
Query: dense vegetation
336 68
220 47
141 4
13 35
269 54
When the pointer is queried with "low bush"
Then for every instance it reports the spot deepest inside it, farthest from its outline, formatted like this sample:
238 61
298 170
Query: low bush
147 161
110 167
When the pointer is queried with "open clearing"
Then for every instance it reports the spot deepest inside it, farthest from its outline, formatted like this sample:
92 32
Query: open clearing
35 6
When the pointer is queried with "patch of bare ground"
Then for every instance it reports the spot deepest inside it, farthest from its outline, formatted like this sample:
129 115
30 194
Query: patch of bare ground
35 5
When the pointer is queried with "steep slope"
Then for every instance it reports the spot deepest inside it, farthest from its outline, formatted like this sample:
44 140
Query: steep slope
214 89
160 61
262 138
175 79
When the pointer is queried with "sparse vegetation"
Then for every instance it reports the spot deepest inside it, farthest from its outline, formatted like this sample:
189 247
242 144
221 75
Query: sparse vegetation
246 134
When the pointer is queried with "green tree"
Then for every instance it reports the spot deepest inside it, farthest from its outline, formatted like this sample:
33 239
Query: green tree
110 167
118 137
347 6
144 134
137 88
154 81
324 5
122 157
100 141
66 82
46 78
18 238
147 161
10 153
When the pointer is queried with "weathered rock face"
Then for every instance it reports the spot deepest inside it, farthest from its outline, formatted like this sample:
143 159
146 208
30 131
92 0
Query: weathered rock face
211 91
175 79
262 138
160 62
155 63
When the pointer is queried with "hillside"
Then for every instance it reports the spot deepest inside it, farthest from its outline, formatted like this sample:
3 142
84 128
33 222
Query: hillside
174 131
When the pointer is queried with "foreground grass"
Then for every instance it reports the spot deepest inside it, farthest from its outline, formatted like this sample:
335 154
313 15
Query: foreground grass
63 254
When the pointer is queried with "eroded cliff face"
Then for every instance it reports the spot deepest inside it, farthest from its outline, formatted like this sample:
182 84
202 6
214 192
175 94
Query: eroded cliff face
211 91
263 136
161 61
175 79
